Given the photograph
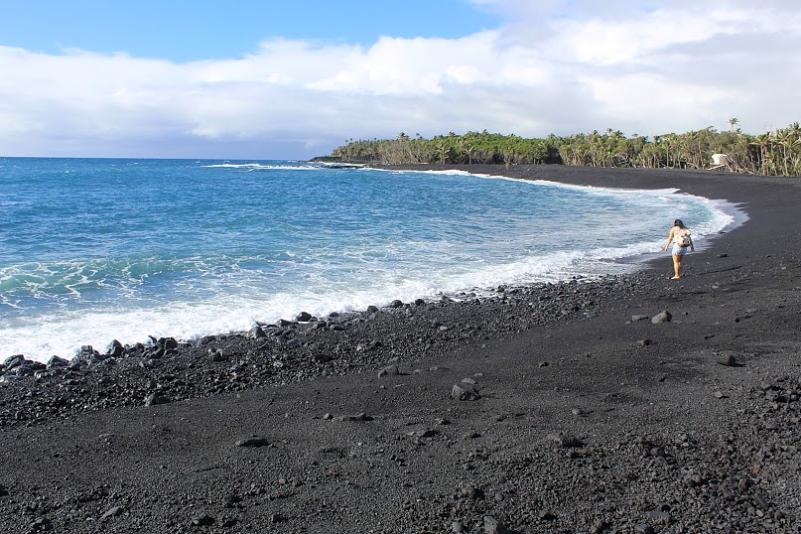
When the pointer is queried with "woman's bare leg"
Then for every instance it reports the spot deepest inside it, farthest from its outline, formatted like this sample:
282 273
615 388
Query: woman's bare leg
676 267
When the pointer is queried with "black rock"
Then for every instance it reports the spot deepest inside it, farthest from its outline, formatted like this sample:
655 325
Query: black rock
257 333
372 309
253 441
155 399
112 512
358 417
464 392
396 304
55 362
115 349
202 520
419 302
303 317
3 491
13 361
389 370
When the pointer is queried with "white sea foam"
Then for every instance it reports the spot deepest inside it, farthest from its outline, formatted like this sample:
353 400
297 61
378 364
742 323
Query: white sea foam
262 167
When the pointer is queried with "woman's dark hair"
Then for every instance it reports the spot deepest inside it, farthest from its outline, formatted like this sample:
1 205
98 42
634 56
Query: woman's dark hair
679 223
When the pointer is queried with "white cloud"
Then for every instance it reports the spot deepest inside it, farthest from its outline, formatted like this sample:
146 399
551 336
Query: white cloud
554 67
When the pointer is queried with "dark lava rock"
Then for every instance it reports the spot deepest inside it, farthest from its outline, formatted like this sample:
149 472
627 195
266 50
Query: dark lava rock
40 524
56 362
662 317
257 333
464 392
389 370
303 317
253 441
372 309
645 342
396 303
729 361
419 302
112 512
13 361
358 417
202 520
155 399
115 349
3 491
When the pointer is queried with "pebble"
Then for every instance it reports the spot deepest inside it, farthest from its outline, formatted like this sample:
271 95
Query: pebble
202 520
662 317
155 399
358 417
389 370
253 441
112 512
464 392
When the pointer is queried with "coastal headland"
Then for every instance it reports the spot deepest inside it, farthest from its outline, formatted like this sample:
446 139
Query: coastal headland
629 403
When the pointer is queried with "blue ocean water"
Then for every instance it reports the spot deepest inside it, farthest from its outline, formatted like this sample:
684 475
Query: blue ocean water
97 249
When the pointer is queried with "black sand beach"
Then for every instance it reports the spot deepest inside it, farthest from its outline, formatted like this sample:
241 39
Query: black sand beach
558 408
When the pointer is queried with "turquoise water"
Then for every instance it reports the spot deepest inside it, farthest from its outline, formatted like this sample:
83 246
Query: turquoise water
92 250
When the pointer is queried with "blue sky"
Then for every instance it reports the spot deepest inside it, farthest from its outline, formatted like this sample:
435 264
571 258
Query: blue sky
182 30
294 79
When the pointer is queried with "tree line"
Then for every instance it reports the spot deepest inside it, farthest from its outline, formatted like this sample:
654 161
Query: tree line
773 153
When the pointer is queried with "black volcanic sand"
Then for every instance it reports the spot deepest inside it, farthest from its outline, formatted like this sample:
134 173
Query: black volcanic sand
569 415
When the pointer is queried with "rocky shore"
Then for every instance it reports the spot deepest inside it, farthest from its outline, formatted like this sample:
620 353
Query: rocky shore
624 404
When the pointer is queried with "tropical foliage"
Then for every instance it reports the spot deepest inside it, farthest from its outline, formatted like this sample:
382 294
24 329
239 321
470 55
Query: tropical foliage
772 153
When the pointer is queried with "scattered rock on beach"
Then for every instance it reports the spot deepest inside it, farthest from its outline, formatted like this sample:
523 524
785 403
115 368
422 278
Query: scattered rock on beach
115 349
396 304
202 520
729 360
464 392
253 441
56 362
358 417
3 491
389 370
155 399
111 512
662 317
257 333
303 317
638 318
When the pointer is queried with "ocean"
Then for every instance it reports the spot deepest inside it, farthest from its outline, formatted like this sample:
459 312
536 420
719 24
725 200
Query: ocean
98 249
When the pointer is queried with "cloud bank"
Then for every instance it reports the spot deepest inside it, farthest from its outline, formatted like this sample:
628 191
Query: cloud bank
555 66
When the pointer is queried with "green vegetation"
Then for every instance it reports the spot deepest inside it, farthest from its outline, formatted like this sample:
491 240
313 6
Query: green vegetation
772 153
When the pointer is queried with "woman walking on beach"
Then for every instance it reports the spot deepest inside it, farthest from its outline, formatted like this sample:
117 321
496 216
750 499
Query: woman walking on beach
679 235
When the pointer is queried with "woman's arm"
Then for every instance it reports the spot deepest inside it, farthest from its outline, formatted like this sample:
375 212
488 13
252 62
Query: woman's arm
669 239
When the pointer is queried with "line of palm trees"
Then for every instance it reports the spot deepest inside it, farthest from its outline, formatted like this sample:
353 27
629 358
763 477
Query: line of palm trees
772 153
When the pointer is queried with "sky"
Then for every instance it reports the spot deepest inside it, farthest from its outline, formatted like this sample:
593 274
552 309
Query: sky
290 80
